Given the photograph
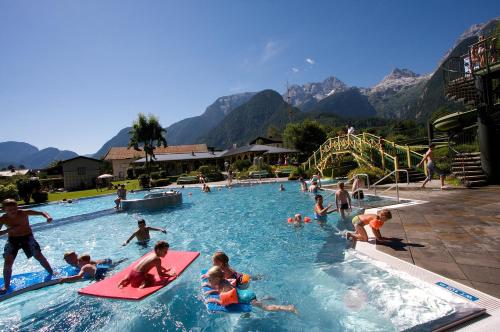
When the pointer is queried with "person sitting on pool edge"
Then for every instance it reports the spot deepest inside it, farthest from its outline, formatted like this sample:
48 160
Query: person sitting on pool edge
376 221
230 295
142 233
139 277
321 213
121 194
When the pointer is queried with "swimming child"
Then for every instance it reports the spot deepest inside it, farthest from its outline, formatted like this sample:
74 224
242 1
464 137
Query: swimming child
342 196
72 259
282 188
139 276
320 212
220 259
303 184
142 233
230 295
88 269
313 188
376 221
20 237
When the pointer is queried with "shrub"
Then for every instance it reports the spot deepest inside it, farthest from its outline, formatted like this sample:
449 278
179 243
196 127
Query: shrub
243 175
241 165
40 196
374 173
140 170
144 181
9 191
26 187
130 173
52 183
160 182
163 174
155 175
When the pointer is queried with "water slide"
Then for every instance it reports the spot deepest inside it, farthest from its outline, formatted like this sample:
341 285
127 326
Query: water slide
456 121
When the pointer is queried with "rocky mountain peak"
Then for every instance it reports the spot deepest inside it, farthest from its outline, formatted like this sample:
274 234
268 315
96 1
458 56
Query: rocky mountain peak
398 73
301 95
397 80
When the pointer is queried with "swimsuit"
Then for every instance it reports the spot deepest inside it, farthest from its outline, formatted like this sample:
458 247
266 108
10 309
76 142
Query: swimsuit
344 206
356 221
26 242
320 217
136 278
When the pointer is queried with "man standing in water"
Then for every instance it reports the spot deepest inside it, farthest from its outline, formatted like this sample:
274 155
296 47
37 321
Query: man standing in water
20 237
431 168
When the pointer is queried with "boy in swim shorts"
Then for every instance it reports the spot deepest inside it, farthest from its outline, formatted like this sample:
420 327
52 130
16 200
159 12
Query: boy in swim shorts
142 233
20 237
139 276
231 295
342 196
376 221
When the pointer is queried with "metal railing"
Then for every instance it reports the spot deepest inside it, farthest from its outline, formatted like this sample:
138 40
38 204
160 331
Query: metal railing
395 172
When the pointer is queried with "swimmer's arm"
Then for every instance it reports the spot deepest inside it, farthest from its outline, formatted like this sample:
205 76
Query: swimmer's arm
39 213
212 300
164 231
130 238
73 278
212 291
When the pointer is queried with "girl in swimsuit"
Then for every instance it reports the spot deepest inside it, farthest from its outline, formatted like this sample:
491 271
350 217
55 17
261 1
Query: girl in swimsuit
376 221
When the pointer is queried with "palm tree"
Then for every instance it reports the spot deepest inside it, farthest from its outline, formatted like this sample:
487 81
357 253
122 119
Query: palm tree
147 133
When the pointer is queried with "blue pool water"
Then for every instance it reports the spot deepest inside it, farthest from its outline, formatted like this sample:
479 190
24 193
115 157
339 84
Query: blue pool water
332 287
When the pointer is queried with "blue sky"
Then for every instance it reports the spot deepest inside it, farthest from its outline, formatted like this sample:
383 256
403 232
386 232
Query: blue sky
73 73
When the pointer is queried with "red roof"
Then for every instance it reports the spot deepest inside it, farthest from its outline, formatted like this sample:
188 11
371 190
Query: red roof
121 153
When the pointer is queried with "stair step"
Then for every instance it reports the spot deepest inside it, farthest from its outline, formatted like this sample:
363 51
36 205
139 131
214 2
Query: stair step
468 172
470 158
467 168
473 177
466 163
478 183
468 154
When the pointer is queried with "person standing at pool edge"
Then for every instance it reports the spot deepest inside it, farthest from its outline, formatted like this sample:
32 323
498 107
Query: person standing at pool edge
20 237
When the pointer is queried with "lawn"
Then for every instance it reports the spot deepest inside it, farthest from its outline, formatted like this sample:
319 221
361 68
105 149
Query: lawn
129 184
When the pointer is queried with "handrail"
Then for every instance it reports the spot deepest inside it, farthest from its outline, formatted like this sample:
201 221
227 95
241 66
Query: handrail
374 186
363 174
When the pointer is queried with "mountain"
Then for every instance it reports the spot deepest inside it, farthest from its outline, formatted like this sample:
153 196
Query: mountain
120 139
398 93
308 95
267 108
11 152
19 153
189 130
349 103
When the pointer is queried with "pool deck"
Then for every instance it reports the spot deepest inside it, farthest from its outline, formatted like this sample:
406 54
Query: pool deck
456 234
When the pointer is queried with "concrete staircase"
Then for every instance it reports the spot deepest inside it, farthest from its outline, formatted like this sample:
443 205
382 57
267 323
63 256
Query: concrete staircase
467 168
414 175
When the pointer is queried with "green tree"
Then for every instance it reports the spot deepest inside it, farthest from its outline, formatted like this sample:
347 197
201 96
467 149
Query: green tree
147 133
306 136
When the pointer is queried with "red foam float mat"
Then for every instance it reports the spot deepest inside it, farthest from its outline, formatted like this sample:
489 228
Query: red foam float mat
178 260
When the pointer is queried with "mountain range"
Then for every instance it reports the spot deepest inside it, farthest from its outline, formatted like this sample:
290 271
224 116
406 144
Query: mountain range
238 118
19 153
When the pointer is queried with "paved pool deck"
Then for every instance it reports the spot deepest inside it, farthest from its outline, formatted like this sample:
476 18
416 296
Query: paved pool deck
456 234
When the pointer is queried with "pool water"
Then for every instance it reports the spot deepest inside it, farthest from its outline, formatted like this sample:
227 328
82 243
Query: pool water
332 287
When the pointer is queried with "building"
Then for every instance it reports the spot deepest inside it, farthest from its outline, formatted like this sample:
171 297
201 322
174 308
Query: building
276 142
80 172
122 157
178 163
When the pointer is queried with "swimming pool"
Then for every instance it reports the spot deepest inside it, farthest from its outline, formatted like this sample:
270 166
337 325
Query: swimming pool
332 287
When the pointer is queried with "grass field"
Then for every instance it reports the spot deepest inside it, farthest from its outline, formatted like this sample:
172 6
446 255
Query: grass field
129 185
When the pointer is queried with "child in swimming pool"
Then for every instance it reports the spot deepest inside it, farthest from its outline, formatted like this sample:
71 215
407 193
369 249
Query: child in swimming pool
139 276
376 221
229 294
142 233
320 212
343 198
